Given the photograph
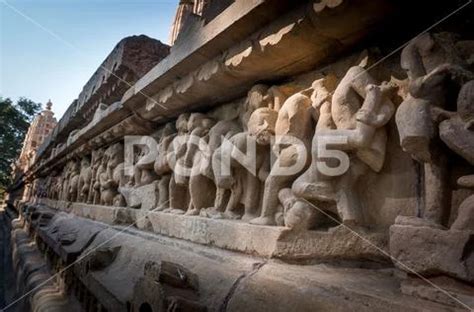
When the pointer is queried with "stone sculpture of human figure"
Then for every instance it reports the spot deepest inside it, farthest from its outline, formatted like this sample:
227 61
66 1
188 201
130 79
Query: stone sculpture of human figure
94 187
244 185
67 173
107 186
113 177
73 183
85 178
222 130
431 61
312 185
457 132
55 182
257 97
144 173
63 188
201 188
101 169
161 166
178 188
294 121
357 113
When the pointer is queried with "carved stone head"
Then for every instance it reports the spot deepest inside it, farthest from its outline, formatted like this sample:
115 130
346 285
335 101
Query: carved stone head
261 125
198 120
258 97
85 162
115 155
182 123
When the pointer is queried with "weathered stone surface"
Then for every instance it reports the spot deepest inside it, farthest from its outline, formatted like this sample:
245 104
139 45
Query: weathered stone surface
143 197
458 138
35 276
123 267
331 290
439 289
337 244
465 219
430 251
68 236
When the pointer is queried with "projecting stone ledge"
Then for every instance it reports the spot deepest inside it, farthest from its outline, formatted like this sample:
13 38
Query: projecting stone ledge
124 267
272 241
338 243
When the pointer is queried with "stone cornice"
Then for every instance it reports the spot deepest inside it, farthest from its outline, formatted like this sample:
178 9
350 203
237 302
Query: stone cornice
303 38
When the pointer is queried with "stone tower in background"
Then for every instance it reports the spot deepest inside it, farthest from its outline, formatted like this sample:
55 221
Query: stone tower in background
40 128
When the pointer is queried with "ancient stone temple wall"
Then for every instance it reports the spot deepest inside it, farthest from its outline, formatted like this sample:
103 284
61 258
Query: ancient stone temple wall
287 162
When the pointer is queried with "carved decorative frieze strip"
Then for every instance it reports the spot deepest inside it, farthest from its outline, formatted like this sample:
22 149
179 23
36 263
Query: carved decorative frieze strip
287 46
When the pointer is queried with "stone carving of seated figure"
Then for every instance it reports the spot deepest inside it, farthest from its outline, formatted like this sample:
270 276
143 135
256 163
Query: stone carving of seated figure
352 121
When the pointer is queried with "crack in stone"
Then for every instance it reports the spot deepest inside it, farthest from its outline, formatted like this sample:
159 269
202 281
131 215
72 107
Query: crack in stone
233 288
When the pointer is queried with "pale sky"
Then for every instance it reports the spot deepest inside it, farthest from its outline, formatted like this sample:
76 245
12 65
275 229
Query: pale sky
50 48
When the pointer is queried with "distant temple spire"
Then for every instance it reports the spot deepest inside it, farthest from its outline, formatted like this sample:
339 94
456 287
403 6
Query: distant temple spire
41 127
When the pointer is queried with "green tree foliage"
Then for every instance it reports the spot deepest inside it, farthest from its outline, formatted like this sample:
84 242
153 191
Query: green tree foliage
14 122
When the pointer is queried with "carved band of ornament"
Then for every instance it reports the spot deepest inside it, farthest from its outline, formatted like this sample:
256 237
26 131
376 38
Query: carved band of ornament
183 84
238 54
209 69
322 4
230 59
160 98
275 38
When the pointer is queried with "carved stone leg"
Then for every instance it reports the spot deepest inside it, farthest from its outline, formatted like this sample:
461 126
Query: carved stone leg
235 196
178 195
273 185
79 195
202 191
220 201
96 197
163 192
437 198
348 202
252 198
